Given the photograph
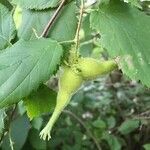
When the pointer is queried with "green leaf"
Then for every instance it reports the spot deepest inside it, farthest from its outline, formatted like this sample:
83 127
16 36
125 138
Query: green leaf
86 28
37 123
21 108
146 146
35 140
86 49
7 27
62 30
112 141
129 126
26 65
41 101
19 129
39 4
135 3
99 124
111 121
125 32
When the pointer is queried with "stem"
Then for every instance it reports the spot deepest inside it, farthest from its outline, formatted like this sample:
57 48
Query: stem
82 123
87 42
2 136
9 122
77 40
13 113
65 42
51 21
11 142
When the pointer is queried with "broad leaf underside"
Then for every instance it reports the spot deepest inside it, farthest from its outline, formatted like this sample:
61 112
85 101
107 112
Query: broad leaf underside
125 32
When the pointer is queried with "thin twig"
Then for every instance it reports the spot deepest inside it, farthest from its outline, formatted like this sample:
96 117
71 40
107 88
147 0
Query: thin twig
141 118
82 123
145 113
77 40
48 26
